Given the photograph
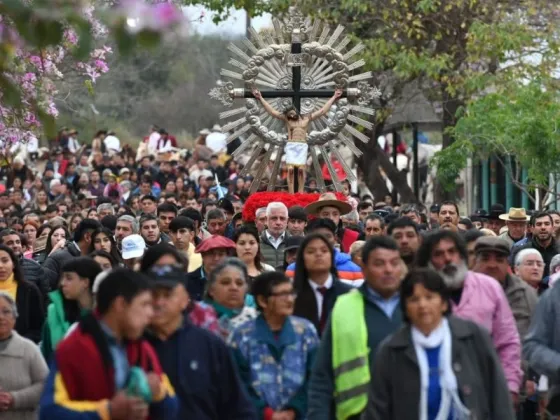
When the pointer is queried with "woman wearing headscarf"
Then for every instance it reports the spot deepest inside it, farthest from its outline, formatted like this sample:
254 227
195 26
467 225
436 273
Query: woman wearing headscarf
437 367
275 351
23 368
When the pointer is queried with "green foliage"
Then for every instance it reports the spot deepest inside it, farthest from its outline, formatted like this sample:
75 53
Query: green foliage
521 121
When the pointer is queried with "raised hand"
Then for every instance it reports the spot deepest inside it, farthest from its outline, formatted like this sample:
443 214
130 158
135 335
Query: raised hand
257 94
338 93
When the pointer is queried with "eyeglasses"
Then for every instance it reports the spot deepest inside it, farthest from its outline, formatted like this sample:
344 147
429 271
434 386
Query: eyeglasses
532 263
285 294
6 312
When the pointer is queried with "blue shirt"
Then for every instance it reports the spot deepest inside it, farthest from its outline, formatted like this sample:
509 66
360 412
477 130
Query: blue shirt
434 387
388 306
120 359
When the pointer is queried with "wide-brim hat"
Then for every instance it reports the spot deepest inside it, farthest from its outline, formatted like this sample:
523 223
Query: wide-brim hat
515 215
495 211
330 200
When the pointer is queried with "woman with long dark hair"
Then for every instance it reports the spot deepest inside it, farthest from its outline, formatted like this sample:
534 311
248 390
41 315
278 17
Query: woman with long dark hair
28 298
316 280
55 240
436 366
248 249
73 298
103 240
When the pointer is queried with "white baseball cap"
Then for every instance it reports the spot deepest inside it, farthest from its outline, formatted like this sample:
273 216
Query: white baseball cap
133 246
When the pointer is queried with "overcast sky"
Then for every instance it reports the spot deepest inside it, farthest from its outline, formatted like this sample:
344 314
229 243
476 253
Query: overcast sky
235 25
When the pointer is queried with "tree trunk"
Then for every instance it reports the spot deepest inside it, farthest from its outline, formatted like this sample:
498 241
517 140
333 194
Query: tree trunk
450 106
372 160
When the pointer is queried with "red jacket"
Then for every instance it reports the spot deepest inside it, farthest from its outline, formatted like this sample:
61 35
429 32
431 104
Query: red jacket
349 236
82 380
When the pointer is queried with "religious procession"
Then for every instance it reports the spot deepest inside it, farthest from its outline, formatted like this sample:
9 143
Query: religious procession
347 239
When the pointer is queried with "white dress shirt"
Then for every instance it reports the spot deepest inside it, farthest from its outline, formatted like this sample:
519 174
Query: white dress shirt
318 296
275 242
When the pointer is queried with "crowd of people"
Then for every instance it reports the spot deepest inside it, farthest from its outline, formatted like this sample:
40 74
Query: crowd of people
131 287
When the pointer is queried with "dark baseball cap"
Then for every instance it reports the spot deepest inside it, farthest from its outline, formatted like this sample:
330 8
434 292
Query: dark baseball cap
167 276
292 242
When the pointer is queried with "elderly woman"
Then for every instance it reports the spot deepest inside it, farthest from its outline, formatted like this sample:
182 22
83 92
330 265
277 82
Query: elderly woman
529 267
437 367
23 368
275 351
227 293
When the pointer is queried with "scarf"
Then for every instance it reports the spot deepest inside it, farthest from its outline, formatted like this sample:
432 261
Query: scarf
9 286
450 401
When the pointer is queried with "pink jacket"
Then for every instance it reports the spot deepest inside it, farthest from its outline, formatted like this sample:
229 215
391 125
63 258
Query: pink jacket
483 301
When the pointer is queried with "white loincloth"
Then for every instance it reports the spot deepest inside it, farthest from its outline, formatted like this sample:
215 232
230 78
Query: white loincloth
296 153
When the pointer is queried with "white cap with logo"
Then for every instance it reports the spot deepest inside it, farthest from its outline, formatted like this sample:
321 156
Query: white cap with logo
133 246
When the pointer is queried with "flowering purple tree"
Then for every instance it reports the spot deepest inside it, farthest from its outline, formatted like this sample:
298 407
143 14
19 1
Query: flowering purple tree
37 36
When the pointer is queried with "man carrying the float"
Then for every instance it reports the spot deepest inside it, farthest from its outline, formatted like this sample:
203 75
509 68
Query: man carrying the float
297 126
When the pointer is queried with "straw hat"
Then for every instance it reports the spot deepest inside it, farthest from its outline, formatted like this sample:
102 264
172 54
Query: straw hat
328 199
515 215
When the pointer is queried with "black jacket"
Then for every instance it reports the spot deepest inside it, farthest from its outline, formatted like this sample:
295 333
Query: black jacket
201 369
196 284
306 304
54 262
31 312
34 273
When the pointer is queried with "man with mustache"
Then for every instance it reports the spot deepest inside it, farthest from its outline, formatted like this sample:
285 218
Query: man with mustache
475 297
448 216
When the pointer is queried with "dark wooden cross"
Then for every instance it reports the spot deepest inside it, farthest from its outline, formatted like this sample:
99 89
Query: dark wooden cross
296 93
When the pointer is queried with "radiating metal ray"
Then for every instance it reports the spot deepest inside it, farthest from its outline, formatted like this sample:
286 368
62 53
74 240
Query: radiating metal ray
256 38
324 34
231 74
327 84
361 76
260 171
247 168
233 125
350 144
250 46
238 133
357 49
244 145
324 76
314 30
362 109
276 169
278 30
345 41
318 67
357 64
337 32
231 113
332 172
237 64
349 174
317 167
265 83
359 135
238 52
360 121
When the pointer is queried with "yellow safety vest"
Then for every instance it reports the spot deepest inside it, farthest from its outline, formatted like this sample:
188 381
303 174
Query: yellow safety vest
350 355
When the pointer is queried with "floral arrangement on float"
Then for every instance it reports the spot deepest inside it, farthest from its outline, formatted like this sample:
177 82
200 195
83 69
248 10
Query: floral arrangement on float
262 199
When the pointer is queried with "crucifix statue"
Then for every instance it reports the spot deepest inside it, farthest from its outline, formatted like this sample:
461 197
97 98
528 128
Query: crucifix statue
304 70
297 126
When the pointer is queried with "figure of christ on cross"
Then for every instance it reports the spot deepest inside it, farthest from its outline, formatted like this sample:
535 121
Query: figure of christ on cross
297 126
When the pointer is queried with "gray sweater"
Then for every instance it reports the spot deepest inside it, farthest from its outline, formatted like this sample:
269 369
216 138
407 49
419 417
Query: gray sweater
23 374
